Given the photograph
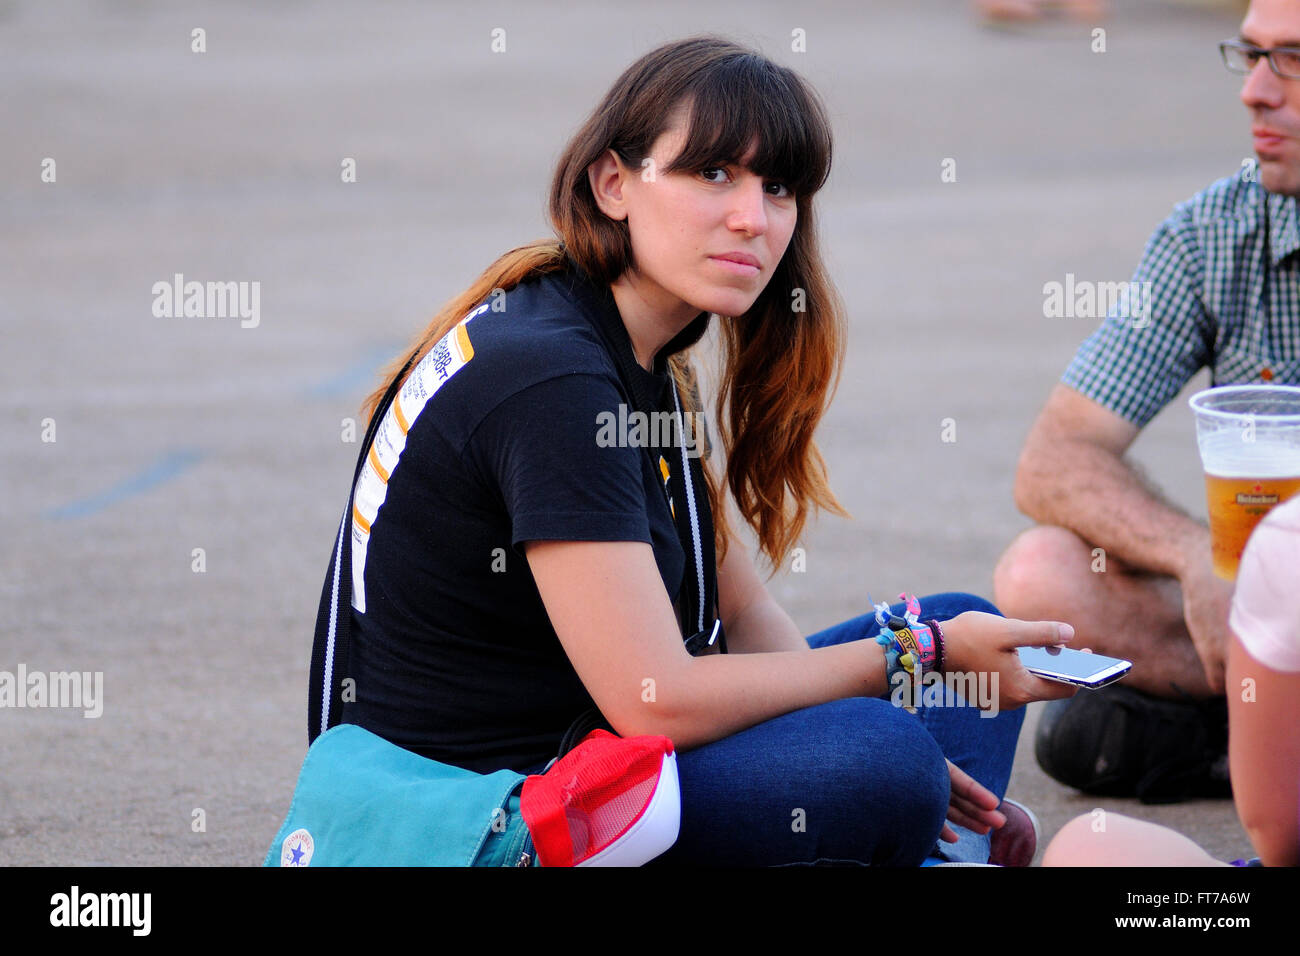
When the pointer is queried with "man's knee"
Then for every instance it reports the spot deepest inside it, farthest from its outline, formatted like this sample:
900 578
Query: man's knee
1036 568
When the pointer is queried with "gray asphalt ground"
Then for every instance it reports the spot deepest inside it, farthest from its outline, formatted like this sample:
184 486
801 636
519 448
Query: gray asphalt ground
176 434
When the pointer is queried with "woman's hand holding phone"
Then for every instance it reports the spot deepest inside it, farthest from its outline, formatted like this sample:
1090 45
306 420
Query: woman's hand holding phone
978 642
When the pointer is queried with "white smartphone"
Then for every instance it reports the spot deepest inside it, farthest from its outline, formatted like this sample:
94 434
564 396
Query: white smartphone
1073 667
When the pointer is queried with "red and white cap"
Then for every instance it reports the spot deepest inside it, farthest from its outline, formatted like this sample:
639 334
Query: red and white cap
610 801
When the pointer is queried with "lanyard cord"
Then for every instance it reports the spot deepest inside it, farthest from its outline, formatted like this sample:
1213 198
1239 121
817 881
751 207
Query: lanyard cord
693 511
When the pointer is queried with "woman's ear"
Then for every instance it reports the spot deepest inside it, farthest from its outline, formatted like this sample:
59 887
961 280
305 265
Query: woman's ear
607 177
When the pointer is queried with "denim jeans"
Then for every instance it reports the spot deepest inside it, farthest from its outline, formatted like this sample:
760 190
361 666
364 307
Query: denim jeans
856 781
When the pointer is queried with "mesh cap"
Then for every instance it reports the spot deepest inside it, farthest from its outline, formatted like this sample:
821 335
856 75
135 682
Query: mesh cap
610 801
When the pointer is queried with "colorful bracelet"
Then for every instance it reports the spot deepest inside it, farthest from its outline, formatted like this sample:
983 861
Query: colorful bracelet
921 642
897 660
911 645
937 631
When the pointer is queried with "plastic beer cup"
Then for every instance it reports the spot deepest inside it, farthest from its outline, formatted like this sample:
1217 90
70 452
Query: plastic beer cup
1249 439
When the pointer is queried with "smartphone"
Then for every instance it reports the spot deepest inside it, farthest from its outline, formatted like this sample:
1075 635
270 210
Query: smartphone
1073 667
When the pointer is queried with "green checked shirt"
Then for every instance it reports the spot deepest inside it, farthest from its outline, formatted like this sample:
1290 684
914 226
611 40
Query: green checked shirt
1222 289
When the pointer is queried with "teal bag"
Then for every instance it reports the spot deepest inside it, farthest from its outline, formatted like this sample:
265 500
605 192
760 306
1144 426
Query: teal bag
362 801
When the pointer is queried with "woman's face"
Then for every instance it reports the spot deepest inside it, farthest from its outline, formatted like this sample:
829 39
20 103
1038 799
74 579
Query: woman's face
689 228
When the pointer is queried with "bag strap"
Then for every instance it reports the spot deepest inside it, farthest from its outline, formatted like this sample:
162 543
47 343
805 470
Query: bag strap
332 648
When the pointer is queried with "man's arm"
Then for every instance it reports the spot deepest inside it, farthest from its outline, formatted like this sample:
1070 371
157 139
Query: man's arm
1072 474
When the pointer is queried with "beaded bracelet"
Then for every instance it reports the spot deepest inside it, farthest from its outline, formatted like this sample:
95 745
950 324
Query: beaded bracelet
897 660
911 645
937 631
898 639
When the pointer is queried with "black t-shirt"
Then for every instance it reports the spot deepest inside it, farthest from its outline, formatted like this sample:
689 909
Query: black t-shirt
496 440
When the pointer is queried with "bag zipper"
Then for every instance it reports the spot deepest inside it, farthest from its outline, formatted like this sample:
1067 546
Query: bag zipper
526 856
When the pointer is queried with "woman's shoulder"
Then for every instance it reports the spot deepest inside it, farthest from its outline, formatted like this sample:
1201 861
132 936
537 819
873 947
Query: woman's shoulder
524 353
535 331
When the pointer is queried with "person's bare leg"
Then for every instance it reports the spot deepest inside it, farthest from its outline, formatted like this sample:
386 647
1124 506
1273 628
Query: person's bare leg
1024 10
1102 838
1008 9
1051 574
1086 10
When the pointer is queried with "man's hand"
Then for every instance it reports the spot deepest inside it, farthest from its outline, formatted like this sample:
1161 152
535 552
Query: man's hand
1206 598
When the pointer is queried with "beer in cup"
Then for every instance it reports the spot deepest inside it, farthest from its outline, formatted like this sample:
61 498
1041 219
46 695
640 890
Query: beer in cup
1249 439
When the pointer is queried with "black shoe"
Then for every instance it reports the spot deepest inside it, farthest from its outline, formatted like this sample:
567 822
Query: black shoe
1119 742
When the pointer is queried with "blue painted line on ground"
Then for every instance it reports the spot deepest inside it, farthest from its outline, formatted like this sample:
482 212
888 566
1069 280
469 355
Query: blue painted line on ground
166 468
364 373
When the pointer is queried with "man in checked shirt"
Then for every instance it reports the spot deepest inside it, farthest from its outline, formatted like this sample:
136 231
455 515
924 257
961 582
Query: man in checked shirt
1223 277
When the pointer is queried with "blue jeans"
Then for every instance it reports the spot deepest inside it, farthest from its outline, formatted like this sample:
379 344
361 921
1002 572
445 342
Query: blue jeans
855 781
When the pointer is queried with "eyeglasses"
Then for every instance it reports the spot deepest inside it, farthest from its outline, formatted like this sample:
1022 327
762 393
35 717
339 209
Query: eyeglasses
1241 58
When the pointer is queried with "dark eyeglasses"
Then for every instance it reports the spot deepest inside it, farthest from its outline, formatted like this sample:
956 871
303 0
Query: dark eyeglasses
1241 57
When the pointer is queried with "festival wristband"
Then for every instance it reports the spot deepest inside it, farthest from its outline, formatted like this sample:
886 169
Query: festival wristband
910 646
937 633
919 646
896 662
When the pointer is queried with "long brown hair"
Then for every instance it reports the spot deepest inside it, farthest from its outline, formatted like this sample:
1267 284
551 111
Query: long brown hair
781 360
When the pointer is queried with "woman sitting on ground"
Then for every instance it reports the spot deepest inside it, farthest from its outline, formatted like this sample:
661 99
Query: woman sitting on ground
519 556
